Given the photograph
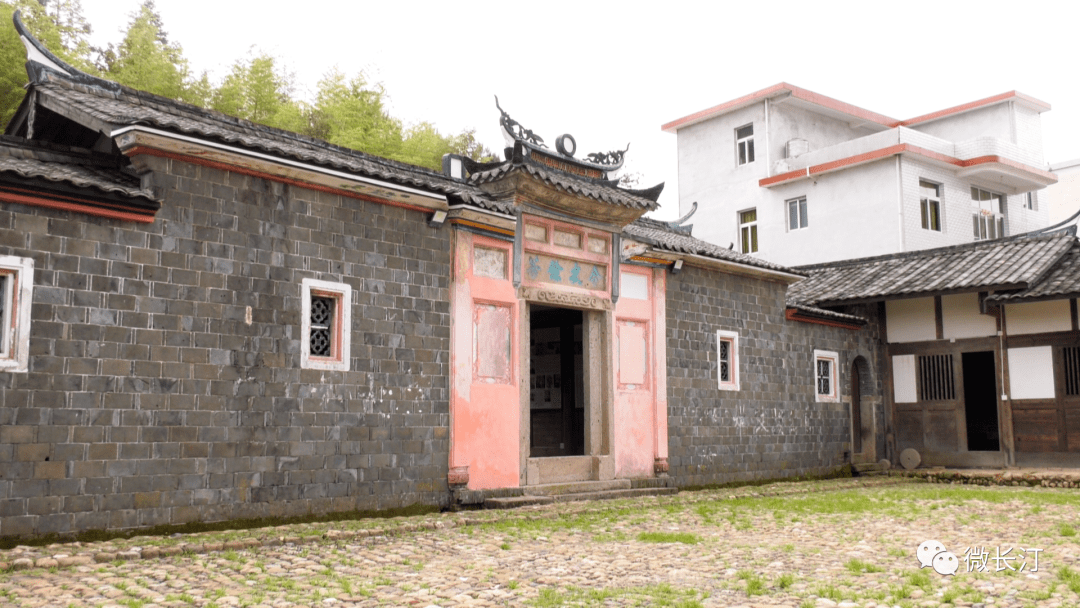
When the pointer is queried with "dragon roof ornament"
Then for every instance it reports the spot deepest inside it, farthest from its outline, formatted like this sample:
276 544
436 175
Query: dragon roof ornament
565 146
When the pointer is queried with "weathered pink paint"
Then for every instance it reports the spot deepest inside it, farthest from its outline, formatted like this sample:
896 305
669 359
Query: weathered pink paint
484 411
639 377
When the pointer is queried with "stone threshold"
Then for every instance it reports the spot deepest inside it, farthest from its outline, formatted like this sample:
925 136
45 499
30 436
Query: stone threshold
1021 476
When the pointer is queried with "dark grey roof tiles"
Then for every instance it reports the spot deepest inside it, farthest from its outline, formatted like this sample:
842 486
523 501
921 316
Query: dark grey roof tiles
830 314
1063 280
568 183
1013 263
129 107
662 236
32 160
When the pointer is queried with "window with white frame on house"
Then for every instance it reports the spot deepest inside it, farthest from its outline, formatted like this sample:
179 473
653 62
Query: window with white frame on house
727 360
748 230
1031 201
325 324
825 379
16 293
988 214
930 205
797 213
744 144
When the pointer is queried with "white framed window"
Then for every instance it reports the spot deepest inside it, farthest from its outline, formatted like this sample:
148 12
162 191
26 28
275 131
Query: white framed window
796 209
988 214
16 293
748 231
326 322
826 364
1031 201
727 360
744 144
930 205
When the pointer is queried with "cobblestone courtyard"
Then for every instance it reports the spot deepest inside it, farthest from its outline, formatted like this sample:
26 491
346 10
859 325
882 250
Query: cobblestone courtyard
843 542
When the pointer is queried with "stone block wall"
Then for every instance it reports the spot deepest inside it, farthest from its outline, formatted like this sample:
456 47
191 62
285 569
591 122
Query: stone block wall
772 427
165 384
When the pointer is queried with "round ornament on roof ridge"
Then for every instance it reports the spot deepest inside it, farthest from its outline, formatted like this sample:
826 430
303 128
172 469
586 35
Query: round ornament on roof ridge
566 144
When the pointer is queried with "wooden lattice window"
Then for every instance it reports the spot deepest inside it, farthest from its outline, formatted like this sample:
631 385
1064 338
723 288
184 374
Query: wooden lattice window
1072 370
325 325
936 382
727 360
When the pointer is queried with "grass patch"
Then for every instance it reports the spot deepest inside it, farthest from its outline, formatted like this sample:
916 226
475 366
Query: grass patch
669 537
1070 577
653 595
1066 530
858 566
785 581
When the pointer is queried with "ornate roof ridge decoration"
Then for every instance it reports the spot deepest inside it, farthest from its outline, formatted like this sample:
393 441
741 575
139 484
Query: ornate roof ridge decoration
40 60
594 165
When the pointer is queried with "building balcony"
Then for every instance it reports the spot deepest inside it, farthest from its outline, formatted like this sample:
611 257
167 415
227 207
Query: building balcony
989 159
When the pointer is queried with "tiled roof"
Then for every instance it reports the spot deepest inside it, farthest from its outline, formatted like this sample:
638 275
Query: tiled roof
128 107
1004 264
660 235
829 314
52 163
568 183
1063 280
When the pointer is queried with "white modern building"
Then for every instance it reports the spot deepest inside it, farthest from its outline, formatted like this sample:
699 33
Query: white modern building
1064 196
800 178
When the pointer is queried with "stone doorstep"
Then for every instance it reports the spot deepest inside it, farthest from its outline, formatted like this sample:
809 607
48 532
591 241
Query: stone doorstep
595 493
577 487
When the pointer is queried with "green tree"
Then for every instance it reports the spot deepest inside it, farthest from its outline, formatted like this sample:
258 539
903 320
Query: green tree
351 113
257 90
58 24
148 61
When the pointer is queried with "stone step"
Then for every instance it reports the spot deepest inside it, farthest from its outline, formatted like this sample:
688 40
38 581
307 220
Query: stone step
652 482
576 487
871 467
513 502
612 494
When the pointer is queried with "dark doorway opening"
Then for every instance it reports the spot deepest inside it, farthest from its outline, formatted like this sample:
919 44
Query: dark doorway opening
856 410
980 401
556 403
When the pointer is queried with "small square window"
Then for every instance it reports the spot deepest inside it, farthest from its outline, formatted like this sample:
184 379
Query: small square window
16 293
825 380
930 205
727 360
325 325
744 144
797 219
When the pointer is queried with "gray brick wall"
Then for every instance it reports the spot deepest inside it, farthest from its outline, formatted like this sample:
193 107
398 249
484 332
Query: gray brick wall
150 400
773 427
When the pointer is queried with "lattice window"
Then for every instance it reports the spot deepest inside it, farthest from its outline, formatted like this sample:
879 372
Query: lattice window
1072 370
322 327
824 377
936 382
16 290
727 360
326 322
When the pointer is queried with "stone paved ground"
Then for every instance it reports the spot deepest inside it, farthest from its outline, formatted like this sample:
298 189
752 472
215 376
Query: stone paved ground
845 542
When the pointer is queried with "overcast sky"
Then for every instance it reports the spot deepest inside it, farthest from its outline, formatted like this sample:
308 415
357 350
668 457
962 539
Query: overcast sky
610 73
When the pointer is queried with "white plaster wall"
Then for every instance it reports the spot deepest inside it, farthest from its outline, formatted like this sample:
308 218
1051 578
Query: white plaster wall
1031 372
1029 131
1063 198
960 317
851 213
992 121
956 207
787 122
903 369
910 320
1038 317
709 175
